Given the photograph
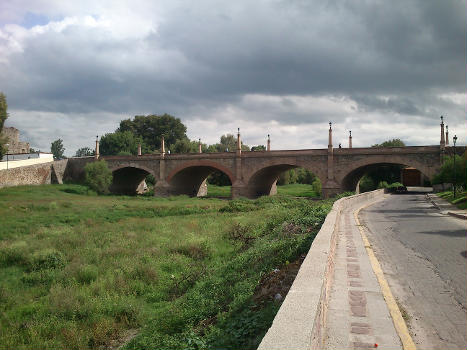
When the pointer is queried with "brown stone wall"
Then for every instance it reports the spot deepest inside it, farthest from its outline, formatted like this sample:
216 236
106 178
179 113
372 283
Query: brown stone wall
46 173
29 175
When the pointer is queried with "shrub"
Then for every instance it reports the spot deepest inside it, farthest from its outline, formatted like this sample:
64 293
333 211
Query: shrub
316 185
395 185
382 184
98 176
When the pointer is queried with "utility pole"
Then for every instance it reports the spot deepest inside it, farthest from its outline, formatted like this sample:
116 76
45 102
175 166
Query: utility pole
454 139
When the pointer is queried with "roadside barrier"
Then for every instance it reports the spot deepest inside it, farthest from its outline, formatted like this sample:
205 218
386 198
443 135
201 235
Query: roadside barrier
301 320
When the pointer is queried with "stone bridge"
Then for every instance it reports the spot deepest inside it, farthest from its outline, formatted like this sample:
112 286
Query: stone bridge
254 174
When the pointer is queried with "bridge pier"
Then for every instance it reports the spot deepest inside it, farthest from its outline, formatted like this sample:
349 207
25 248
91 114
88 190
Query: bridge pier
330 189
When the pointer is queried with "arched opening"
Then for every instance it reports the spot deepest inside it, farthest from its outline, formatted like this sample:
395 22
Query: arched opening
379 175
129 181
219 185
284 179
192 181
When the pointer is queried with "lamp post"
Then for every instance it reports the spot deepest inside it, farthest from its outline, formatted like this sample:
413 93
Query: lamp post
7 145
454 139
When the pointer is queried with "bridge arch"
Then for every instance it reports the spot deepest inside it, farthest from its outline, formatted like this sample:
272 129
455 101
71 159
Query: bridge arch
352 175
262 182
128 178
190 177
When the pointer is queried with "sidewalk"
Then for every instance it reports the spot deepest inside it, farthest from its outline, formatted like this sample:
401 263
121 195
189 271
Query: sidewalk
446 208
358 316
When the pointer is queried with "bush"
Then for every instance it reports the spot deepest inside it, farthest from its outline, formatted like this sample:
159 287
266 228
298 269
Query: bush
98 176
367 184
395 185
383 184
316 185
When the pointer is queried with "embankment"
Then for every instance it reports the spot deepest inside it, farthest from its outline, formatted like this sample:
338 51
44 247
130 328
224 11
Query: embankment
301 320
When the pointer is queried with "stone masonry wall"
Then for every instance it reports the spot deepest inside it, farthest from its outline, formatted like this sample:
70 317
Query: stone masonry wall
29 175
39 174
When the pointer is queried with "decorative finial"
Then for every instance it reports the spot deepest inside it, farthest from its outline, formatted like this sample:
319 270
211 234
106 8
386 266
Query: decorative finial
330 124
454 139
238 130
97 137
199 140
447 128
350 132
268 137
441 119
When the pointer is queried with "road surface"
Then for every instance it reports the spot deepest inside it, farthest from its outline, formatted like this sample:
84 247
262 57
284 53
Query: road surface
424 257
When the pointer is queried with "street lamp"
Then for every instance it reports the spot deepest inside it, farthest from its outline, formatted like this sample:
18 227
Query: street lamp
7 145
454 139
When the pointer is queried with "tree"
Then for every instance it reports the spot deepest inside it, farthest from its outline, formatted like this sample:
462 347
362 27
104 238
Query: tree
228 143
446 173
391 143
121 143
258 148
57 149
187 146
98 176
151 128
3 117
84 152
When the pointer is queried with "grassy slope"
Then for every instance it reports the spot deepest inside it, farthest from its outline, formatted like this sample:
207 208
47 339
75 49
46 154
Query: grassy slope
460 201
83 271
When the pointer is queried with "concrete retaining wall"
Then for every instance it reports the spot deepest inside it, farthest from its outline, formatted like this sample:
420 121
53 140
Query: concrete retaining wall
301 320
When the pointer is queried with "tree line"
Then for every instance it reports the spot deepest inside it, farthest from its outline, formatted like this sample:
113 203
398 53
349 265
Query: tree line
148 132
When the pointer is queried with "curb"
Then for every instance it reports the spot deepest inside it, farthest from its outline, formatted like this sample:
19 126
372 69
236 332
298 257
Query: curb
300 323
451 213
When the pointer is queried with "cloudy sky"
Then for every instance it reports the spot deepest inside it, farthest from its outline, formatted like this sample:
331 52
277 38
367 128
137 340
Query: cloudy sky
383 69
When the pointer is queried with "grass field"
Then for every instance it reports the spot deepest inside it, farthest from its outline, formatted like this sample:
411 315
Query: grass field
295 190
460 201
80 271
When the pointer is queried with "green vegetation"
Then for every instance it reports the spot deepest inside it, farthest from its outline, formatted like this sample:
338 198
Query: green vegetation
85 272
391 143
383 174
447 172
460 201
219 191
57 149
98 176
294 190
84 152
298 190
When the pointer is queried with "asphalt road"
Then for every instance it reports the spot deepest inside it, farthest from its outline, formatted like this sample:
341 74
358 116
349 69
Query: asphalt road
424 257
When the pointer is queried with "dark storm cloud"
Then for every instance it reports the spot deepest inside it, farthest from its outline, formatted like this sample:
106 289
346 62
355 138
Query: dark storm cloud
388 56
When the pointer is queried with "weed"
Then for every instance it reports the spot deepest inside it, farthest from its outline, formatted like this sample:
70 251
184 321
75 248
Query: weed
47 259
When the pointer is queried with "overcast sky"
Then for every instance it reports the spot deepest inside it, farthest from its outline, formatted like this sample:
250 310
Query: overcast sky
383 69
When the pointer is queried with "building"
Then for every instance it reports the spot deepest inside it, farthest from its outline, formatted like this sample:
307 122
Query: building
15 146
